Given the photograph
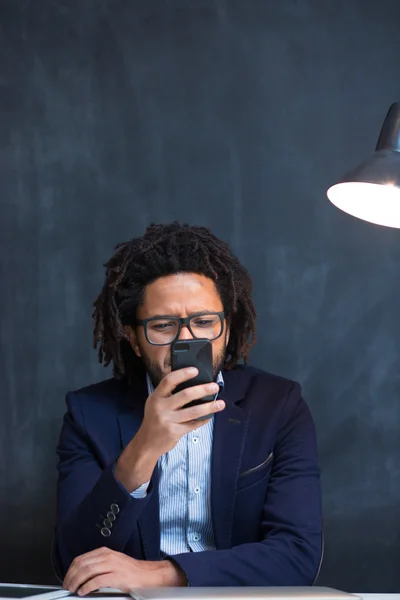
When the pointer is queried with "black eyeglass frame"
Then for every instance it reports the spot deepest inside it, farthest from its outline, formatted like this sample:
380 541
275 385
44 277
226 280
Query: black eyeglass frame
182 322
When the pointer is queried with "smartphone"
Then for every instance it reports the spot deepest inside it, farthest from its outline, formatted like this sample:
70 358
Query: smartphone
193 353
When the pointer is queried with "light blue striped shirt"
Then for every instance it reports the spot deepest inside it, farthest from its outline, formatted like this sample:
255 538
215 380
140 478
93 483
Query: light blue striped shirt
185 491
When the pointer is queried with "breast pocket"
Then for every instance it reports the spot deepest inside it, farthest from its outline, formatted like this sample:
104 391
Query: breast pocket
256 473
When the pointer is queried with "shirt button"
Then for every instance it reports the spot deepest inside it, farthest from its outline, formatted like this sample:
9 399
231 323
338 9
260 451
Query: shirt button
197 489
196 537
195 440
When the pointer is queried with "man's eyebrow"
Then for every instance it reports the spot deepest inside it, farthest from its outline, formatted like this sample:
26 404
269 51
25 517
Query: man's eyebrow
177 316
169 316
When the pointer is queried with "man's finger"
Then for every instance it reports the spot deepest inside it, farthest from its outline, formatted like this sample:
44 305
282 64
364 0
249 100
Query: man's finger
168 383
83 559
178 400
85 570
76 566
187 415
100 581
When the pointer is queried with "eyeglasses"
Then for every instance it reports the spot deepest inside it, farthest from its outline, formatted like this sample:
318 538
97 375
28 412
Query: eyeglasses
161 331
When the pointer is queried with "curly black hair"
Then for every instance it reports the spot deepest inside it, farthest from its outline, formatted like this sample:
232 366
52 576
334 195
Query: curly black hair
166 250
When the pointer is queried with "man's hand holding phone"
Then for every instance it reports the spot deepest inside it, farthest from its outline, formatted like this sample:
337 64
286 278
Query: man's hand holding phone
165 421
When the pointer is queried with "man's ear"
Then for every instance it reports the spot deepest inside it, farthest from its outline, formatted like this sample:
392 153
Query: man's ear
132 337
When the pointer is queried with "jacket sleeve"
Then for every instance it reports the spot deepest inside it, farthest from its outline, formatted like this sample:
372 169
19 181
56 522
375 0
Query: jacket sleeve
86 495
289 552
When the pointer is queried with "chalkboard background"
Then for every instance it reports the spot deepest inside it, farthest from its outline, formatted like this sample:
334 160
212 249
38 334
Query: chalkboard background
236 114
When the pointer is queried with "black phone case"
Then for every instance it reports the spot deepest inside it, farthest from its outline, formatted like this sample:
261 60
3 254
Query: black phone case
193 353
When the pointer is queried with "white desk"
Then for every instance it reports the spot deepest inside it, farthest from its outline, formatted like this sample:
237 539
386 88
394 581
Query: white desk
109 596
363 596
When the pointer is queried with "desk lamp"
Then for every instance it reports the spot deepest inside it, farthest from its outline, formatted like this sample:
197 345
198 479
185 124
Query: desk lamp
371 191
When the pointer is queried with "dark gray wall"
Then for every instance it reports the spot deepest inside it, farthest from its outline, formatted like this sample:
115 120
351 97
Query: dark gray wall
236 114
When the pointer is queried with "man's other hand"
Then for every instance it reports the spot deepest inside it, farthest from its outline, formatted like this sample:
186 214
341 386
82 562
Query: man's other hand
107 568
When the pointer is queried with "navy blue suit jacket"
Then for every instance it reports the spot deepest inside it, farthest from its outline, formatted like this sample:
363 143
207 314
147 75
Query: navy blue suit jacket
265 498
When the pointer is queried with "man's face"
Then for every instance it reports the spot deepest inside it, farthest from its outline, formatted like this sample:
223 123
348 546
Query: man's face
180 295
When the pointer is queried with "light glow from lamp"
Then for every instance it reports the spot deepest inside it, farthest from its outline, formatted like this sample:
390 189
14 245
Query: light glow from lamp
373 202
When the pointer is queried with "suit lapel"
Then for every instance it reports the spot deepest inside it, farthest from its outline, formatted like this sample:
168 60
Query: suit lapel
129 423
230 428
131 416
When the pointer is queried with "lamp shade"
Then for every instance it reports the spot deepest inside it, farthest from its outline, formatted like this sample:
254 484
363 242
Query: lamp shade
371 191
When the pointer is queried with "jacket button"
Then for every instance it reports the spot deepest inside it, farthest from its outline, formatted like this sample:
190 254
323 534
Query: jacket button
107 523
105 532
110 516
114 508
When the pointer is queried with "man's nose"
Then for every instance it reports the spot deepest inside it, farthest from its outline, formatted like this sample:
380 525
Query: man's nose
185 333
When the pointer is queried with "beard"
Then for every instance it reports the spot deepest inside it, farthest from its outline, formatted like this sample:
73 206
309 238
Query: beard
157 372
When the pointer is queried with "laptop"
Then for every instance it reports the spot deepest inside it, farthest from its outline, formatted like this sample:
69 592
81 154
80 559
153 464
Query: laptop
18 591
241 593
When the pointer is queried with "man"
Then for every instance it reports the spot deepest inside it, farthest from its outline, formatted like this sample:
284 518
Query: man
148 495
